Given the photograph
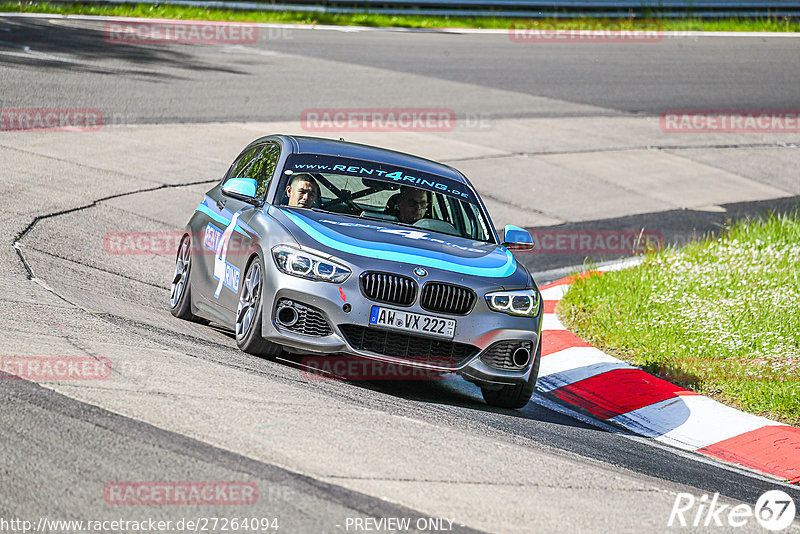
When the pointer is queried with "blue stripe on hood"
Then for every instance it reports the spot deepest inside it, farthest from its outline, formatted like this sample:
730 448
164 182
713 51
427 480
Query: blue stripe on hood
497 264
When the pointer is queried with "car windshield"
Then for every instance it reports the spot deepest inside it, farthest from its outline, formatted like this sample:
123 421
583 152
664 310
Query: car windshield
375 191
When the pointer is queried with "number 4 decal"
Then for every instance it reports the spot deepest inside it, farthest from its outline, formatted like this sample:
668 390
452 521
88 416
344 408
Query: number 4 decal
221 254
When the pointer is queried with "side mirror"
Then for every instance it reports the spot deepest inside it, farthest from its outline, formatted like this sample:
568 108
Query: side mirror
516 238
243 189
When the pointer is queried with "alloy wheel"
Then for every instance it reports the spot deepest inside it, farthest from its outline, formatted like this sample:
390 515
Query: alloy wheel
249 300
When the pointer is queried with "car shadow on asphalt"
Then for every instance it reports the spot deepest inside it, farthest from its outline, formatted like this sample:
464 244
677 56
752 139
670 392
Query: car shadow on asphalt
572 245
56 45
443 391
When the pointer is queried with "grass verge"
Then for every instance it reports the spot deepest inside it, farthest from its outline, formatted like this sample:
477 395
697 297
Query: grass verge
375 20
719 316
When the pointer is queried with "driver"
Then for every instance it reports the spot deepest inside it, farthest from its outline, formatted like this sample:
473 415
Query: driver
302 191
412 204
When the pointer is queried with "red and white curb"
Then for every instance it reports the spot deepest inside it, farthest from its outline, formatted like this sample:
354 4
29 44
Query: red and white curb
575 373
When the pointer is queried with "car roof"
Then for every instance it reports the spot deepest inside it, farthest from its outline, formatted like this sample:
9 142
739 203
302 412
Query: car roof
330 147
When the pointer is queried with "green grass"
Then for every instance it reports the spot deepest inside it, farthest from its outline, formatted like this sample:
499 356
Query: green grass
191 13
720 316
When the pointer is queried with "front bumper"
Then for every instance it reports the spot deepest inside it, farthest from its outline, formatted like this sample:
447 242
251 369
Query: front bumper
476 337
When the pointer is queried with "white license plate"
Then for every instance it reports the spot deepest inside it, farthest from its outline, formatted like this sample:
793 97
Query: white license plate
412 322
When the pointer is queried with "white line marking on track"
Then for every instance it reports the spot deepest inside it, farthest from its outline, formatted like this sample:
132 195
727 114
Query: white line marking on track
27 52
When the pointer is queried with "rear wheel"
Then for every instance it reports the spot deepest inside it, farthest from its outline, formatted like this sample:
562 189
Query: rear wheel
180 293
249 313
516 395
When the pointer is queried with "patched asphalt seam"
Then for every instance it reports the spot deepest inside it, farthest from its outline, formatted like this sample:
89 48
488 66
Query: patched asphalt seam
499 484
95 268
521 207
754 146
16 243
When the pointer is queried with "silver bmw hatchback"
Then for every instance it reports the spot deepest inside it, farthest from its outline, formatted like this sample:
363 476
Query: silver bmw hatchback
328 248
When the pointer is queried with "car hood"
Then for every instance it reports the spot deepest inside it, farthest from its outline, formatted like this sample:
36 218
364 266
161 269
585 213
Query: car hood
357 239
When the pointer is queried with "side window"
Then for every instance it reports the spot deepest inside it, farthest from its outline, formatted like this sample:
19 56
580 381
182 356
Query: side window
241 163
258 163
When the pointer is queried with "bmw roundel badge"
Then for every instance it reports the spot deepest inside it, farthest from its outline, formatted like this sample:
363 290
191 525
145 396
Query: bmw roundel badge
419 271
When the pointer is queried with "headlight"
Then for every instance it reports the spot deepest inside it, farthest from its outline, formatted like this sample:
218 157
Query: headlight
306 265
522 302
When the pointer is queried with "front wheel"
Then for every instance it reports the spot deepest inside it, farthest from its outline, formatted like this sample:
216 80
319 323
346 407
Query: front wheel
516 395
249 313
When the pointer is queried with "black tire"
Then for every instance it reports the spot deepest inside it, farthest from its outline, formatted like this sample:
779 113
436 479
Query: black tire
249 313
180 297
518 395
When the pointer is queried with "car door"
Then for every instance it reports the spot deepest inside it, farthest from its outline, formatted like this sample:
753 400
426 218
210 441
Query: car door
234 241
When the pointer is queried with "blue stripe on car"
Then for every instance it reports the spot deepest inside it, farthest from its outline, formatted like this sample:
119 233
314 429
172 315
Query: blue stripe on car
204 207
498 264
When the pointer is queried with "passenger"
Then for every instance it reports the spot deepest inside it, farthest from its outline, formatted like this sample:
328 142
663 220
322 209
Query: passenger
412 204
303 191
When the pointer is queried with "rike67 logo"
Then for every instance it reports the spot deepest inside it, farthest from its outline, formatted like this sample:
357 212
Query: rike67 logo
774 510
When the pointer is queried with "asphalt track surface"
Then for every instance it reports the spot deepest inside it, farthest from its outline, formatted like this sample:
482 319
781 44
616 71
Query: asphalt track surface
187 405
242 83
